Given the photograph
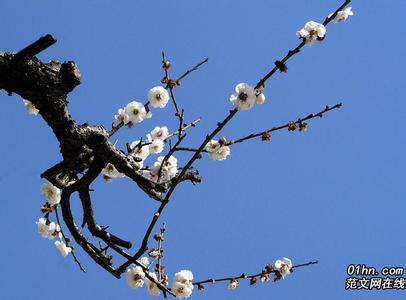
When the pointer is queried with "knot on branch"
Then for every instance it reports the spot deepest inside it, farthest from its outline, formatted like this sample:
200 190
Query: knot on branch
70 75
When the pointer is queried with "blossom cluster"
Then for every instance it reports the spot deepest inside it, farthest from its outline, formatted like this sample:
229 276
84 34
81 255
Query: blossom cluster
282 268
137 276
46 228
163 168
136 112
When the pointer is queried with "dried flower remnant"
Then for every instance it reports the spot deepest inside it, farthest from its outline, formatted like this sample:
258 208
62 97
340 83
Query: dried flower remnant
266 136
302 126
292 126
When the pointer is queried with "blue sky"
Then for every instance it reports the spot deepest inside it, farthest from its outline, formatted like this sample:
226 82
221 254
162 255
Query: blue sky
334 193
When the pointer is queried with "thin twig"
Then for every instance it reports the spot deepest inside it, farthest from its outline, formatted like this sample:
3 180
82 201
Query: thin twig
298 121
67 241
192 69
177 132
160 250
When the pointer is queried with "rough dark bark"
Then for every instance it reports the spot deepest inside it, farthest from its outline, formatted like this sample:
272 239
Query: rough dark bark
84 147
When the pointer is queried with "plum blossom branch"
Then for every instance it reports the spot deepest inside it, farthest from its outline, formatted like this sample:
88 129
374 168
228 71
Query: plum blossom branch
160 238
87 150
269 269
279 65
289 125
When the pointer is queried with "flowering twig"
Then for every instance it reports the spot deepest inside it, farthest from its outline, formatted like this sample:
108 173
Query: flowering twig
280 65
268 270
160 239
333 15
287 125
87 149
275 128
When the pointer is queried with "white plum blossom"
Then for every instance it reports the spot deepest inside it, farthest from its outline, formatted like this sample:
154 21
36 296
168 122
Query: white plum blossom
284 266
121 117
182 284
159 133
233 284
151 286
136 112
43 228
52 193
183 276
32 110
156 146
110 171
260 99
154 253
221 153
135 277
213 146
168 171
217 151
140 151
145 261
62 248
48 231
181 290
311 32
244 97
342 15
158 97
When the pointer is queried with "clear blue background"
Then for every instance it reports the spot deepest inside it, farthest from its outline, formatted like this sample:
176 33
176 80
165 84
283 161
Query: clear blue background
335 193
